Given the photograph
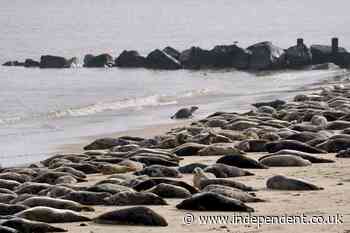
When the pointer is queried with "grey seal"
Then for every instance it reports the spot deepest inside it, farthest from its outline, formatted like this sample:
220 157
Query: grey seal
184 113
280 182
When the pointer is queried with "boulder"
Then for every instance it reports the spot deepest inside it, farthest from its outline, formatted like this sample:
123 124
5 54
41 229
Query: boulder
196 58
13 63
31 63
130 58
158 59
49 61
99 61
226 56
323 54
266 56
298 56
172 52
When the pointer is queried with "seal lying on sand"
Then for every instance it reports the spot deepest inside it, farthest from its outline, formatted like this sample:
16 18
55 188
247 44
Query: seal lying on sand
285 161
147 184
26 226
202 180
132 216
240 161
170 191
51 215
285 183
133 198
184 113
209 201
232 193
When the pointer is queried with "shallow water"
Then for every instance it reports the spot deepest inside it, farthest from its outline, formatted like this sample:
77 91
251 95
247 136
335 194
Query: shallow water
41 109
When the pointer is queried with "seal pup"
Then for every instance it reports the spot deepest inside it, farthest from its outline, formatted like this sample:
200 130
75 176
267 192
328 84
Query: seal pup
184 113
51 215
132 216
133 198
209 201
27 226
280 182
169 191
201 180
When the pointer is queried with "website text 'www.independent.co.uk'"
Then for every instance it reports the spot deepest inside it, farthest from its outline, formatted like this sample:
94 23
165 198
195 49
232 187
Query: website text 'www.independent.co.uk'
250 219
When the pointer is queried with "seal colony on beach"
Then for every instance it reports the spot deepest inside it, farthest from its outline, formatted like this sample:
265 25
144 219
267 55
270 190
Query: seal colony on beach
207 165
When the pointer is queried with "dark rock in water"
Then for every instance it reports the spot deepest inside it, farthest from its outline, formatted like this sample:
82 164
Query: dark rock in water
277 104
132 216
323 54
273 147
158 59
147 184
106 143
266 56
240 161
196 58
27 226
285 183
49 61
226 56
172 52
99 61
130 59
298 56
343 154
209 201
31 63
189 168
13 63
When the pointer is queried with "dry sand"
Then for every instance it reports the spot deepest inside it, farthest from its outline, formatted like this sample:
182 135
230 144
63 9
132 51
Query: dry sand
333 200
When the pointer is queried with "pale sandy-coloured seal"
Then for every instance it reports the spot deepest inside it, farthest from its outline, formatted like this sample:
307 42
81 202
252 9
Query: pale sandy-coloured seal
285 161
232 193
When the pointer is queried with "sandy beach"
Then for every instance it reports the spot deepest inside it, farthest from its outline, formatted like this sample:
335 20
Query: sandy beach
330 202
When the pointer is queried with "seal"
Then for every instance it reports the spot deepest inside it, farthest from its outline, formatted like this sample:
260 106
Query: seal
7 198
188 149
209 201
24 225
159 171
225 171
56 191
280 182
201 180
304 155
87 198
169 191
6 209
4 229
132 216
55 203
184 113
240 161
21 178
285 161
31 188
51 215
132 198
188 169
273 147
109 188
9 184
147 184
343 154
232 193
